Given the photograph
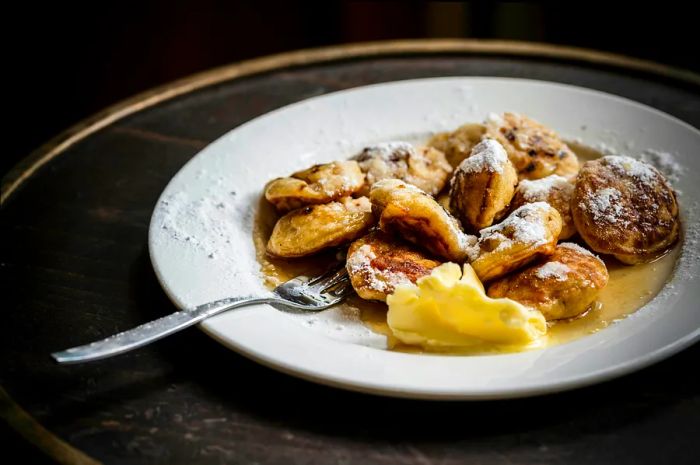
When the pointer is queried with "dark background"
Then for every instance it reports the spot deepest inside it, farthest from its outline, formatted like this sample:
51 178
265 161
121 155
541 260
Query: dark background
65 62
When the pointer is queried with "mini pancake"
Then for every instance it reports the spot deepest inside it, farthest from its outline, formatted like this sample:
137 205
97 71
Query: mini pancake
316 185
457 145
410 213
527 234
482 186
310 229
626 208
561 286
378 262
535 150
424 167
556 191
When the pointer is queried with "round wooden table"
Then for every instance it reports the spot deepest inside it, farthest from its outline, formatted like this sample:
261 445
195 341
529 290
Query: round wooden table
75 268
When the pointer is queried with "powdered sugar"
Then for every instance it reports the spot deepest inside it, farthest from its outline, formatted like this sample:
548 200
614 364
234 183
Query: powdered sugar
556 270
577 248
463 239
397 184
604 148
333 184
202 223
664 162
495 119
387 150
689 265
525 226
488 155
527 223
540 189
206 229
382 280
604 205
631 167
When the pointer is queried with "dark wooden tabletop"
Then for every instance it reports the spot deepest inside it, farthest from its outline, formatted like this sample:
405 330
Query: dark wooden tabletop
75 267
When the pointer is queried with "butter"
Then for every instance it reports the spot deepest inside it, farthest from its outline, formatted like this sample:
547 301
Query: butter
450 309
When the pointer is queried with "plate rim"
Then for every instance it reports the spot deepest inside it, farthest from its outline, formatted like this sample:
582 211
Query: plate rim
581 381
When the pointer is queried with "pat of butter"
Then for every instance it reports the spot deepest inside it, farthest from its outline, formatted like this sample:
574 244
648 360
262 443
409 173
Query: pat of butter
449 308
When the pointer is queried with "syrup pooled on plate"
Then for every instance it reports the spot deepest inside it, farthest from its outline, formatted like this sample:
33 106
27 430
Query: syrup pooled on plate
629 287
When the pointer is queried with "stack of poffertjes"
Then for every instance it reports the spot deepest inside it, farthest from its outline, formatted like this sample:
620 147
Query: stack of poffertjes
499 195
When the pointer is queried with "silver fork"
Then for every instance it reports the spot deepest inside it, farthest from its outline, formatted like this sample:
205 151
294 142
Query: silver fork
300 293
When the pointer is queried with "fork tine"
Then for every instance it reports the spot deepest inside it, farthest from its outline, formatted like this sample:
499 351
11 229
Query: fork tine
340 280
330 281
342 289
317 293
330 272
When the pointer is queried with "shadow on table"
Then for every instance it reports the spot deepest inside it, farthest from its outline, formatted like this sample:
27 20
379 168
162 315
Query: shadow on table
188 386
241 385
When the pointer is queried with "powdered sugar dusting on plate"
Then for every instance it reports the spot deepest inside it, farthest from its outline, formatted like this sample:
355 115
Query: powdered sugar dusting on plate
664 162
208 228
202 223
689 267
342 323
495 119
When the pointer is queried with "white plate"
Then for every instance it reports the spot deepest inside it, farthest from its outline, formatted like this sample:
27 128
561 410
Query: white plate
201 245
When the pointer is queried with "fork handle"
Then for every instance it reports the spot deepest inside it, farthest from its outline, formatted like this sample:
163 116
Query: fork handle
152 331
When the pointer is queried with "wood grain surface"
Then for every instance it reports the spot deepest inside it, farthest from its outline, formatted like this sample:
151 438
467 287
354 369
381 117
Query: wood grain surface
75 267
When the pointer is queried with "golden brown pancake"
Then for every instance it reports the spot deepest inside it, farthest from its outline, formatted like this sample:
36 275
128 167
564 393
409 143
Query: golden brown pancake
316 185
563 285
424 167
309 229
378 262
626 208
482 186
528 233
410 213
556 191
458 144
535 150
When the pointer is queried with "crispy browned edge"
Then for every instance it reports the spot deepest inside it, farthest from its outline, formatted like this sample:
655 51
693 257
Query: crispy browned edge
63 452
